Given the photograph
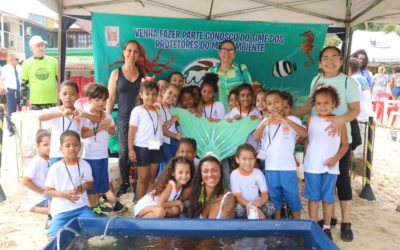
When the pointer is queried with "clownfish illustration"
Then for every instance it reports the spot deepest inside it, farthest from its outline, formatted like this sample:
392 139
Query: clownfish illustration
307 47
283 68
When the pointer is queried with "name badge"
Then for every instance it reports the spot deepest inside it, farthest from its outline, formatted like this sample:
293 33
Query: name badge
154 144
261 154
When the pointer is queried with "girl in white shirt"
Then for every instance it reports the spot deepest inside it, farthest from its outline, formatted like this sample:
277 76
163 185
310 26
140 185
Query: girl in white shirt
278 134
245 107
322 155
209 108
164 200
145 138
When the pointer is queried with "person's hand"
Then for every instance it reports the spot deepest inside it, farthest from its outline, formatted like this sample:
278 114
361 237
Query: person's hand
180 205
105 124
77 113
229 119
237 117
175 118
198 114
335 127
24 108
132 155
71 195
67 112
258 203
331 162
261 215
253 117
178 136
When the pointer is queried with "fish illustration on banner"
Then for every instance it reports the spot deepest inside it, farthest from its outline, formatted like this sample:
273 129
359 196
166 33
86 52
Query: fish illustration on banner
283 68
307 47
194 71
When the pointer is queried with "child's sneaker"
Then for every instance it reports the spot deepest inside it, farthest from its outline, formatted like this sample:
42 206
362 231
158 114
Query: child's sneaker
333 222
48 222
346 234
118 207
97 211
328 233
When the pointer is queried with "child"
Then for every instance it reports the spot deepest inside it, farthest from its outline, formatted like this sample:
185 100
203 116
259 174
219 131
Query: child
145 139
95 143
321 161
245 107
278 134
287 102
186 99
171 135
36 174
247 182
210 109
65 117
261 103
67 182
196 95
176 78
161 86
163 200
232 99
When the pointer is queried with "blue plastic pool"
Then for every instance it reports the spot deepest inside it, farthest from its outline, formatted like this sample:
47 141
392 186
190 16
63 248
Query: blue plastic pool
204 229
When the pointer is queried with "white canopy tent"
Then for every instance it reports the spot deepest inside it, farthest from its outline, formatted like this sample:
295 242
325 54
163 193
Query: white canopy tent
336 13
382 49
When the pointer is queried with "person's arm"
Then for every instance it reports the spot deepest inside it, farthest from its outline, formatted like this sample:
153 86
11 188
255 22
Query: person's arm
228 208
338 122
344 146
131 140
169 134
112 90
53 115
257 135
264 198
304 110
300 129
71 195
85 186
241 200
32 186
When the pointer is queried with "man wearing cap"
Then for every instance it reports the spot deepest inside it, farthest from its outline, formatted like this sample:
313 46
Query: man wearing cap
39 77
10 74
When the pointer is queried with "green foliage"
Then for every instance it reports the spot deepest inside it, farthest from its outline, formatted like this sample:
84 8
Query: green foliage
378 27
332 41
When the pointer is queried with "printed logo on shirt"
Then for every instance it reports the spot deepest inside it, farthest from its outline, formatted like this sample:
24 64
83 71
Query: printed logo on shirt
42 74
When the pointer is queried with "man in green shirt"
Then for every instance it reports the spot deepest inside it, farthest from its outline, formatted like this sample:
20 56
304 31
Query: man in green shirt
39 77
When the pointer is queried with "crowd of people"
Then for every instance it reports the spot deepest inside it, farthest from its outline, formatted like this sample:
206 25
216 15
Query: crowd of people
260 179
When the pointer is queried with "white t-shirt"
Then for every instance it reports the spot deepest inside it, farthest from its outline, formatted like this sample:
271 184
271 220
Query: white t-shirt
59 179
58 126
321 147
37 172
365 98
166 116
278 142
96 147
9 77
236 111
149 126
248 186
216 110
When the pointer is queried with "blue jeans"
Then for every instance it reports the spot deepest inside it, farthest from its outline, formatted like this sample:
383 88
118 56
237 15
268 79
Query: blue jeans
13 103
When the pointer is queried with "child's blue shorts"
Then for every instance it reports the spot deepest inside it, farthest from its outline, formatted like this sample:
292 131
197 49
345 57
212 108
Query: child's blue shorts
320 187
59 220
100 176
283 184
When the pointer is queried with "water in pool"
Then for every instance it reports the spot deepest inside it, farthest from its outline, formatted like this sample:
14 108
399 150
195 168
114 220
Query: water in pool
284 241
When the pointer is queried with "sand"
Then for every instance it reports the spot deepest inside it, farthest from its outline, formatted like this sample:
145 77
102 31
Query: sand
375 223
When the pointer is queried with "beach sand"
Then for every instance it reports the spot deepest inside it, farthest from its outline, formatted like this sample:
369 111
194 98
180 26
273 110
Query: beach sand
375 223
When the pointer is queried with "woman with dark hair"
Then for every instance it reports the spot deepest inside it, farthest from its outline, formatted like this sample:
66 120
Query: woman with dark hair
394 83
331 61
230 74
124 84
363 60
209 199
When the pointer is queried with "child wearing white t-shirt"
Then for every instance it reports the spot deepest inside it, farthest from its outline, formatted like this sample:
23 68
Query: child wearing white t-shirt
65 117
67 182
278 134
245 107
247 183
322 155
35 176
145 138
209 108
95 143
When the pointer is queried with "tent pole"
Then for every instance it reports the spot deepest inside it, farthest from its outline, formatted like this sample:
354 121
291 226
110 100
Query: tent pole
211 7
348 37
59 40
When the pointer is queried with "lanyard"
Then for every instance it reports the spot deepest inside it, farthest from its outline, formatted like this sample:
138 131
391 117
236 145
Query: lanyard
269 135
155 127
240 110
95 128
166 117
70 178
70 123
205 114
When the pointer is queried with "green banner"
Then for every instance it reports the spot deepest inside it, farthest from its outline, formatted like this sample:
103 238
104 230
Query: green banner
278 55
